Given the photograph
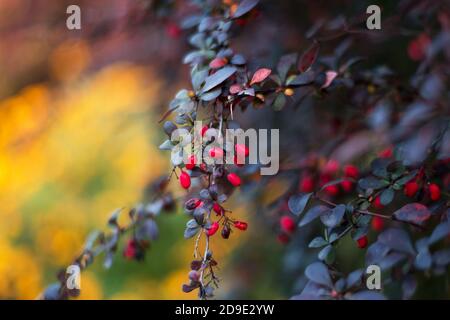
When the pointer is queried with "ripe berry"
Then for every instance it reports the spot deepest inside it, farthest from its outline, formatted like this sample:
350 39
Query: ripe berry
283 238
331 167
307 184
332 190
215 152
377 203
192 160
386 153
435 192
193 203
351 171
173 30
130 249
377 224
234 179
362 242
347 185
417 48
241 150
212 229
287 224
240 225
218 209
185 180
203 130
411 189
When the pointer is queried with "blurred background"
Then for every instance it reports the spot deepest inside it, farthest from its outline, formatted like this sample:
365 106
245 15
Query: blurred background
79 137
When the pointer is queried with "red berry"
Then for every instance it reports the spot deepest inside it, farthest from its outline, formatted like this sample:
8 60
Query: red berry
377 203
203 130
287 224
173 30
347 185
185 180
331 167
241 150
240 225
192 160
362 242
377 224
386 153
212 229
283 238
332 190
417 48
435 192
351 171
215 152
307 184
218 209
234 179
130 249
411 189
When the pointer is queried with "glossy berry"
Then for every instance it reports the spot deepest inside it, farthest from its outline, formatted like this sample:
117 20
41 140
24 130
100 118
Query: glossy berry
215 152
307 184
351 171
331 190
241 225
192 160
377 203
411 189
386 153
287 224
347 185
435 192
193 203
241 150
185 180
212 229
331 167
362 242
130 249
283 238
377 224
203 130
218 209
234 179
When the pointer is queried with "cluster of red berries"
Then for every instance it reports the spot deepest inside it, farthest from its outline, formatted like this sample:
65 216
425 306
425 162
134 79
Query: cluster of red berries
432 189
330 171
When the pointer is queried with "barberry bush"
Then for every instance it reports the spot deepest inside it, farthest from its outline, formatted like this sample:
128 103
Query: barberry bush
364 151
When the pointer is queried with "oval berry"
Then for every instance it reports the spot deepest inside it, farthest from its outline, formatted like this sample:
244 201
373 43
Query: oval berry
435 192
287 224
218 209
307 184
234 179
241 225
241 150
185 180
411 189
377 224
362 242
191 161
351 171
212 229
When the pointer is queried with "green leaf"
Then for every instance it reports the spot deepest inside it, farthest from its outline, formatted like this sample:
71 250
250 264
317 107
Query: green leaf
279 102
298 203
312 214
317 242
217 78
244 7
387 196
413 212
